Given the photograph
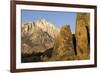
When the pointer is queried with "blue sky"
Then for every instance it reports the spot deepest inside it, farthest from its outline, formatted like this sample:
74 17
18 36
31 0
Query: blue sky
57 18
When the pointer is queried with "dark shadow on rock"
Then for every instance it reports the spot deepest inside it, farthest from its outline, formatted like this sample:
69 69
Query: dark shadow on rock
88 35
36 57
31 59
48 52
74 43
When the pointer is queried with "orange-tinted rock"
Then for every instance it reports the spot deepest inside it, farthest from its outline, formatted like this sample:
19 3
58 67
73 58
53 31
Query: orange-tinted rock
63 49
82 35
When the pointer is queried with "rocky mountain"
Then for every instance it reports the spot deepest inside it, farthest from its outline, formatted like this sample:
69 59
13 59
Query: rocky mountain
37 36
47 27
42 41
42 24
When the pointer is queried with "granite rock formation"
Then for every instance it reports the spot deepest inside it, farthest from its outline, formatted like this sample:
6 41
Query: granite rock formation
82 35
37 36
63 48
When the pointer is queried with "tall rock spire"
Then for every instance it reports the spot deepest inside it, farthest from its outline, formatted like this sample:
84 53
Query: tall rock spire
82 35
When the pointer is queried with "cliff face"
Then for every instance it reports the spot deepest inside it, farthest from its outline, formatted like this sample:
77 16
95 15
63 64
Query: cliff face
63 48
82 35
37 36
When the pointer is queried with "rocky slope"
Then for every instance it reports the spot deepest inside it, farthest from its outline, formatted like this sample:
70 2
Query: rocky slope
37 36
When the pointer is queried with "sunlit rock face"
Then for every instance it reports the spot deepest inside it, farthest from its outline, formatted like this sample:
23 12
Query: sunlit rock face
63 48
82 35
38 36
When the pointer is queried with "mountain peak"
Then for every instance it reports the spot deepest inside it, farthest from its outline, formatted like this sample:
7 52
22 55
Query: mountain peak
46 26
38 35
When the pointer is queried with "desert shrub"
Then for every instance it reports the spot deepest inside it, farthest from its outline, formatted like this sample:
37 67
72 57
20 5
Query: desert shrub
44 58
